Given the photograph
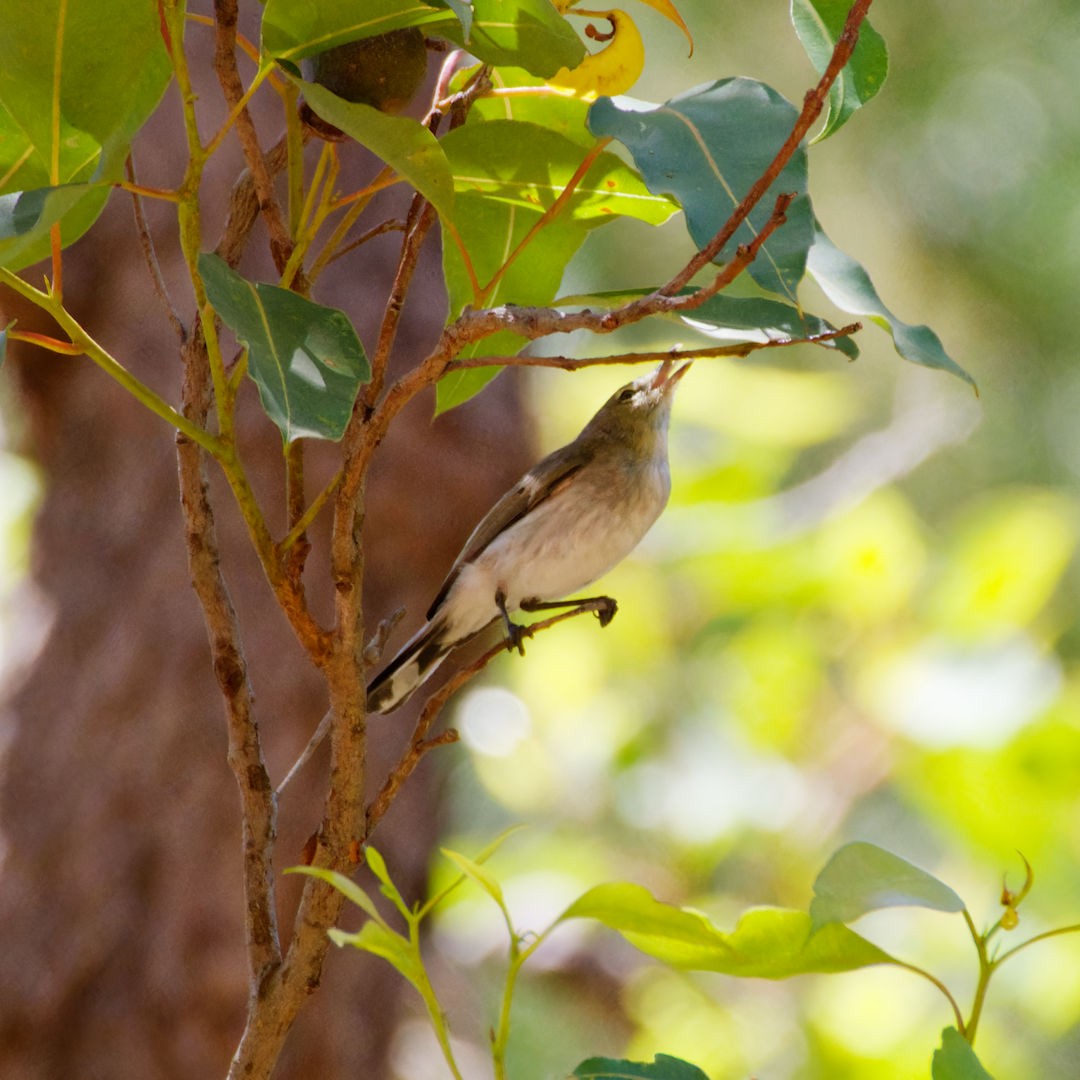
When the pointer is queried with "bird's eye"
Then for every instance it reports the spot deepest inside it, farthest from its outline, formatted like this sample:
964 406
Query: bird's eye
626 393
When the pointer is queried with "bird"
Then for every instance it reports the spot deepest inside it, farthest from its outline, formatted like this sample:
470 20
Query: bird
565 523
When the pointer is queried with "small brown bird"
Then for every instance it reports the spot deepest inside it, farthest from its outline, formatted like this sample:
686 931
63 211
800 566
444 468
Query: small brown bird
569 520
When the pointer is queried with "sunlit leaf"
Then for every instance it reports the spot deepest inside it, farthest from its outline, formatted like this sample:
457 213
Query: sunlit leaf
767 943
476 873
662 1067
862 877
956 1060
379 940
406 145
506 175
344 885
77 81
819 24
305 359
848 286
708 147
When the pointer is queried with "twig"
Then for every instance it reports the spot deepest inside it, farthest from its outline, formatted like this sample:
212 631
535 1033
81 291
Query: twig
146 242
420 743
813 103
245 748
226 15
573 363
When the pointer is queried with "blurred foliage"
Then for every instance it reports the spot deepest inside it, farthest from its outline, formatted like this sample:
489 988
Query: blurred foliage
855 620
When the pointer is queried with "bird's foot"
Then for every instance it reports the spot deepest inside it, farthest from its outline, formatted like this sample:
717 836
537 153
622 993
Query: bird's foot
605 609
515 634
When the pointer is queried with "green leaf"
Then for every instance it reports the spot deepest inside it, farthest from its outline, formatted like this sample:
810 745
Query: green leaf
293 29
708 147
406 145
819 24
730 318
662 1067
956 1059
377 865
379 940
3 342
77 80
305 359
475 872
862 877
346 886
529 34
506 174
849 287
566 115
767 943
462 9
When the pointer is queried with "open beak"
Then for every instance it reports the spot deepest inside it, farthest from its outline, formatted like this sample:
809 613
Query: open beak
667 376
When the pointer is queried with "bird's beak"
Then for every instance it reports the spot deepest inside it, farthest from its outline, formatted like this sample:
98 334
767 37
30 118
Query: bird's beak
667 376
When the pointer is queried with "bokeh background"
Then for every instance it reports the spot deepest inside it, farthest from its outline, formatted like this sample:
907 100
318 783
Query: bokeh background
858 617
857 620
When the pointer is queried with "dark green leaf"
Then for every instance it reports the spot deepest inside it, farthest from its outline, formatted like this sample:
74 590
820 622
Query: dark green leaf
862 877
956 1059
731 318
529 34
406 145
462 9
293 29
819 24
305 359
114 71
849 287
708 147
662 1067
767 943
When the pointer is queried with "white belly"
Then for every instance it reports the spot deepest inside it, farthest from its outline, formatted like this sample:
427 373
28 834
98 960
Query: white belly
550 554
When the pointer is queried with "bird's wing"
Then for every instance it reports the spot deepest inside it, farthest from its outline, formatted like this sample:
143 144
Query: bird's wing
544 480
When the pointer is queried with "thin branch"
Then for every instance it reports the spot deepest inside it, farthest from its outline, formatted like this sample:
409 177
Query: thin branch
421 743
573 363
230 666
813 103
226 14
146 242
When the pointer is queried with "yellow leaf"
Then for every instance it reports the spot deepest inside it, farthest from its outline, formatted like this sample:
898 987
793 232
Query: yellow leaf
667 9
612 70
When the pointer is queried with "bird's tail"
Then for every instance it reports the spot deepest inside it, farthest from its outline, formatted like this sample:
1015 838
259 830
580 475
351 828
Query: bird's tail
419 657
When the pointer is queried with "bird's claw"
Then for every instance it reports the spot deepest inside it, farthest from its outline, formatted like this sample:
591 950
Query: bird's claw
515 637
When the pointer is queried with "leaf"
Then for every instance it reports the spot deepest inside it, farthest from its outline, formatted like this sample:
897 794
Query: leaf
462 9
293 29
668 10
406 145
346 886
379 940
529 34
476 873
849 287
3 341
305 359
767 943
613 69
956 1059
77 81
819 24
708 147
506 174
662 1067
731 318
862 877
566 115
377 865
